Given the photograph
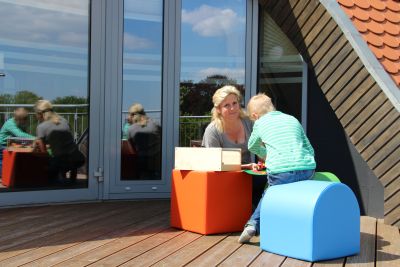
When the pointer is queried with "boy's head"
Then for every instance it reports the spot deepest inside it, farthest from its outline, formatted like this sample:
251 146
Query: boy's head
259 105
20 116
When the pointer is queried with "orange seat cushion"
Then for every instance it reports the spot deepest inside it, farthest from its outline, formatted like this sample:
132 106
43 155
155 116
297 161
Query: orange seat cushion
210 202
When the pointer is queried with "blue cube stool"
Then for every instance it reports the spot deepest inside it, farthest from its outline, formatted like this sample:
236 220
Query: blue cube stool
310 220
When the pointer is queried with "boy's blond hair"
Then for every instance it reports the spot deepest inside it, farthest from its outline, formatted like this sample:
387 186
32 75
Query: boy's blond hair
260 104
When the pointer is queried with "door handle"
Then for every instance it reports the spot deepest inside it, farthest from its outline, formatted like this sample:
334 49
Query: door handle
2 74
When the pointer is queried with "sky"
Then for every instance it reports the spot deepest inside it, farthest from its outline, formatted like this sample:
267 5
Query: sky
44 46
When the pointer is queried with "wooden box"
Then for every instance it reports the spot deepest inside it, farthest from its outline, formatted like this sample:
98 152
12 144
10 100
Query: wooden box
208 159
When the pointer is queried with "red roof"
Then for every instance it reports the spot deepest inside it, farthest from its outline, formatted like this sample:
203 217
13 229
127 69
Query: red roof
378 21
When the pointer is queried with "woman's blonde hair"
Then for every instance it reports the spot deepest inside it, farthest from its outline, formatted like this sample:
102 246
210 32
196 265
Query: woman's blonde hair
45 108
140 116
219 96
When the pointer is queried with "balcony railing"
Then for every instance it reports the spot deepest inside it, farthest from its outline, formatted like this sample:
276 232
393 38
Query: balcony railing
191 128
75 114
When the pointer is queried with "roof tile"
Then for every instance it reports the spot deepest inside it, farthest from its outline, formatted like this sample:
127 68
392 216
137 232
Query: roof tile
378 21
361 14
392 16
376 15
360 25
391 66
392 5
374 27
363 4
346 3
378 51
379 5
372 39
391 53
391 28
390 40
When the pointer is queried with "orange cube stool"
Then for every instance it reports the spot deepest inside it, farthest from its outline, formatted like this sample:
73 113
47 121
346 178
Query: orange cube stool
210 202
24 169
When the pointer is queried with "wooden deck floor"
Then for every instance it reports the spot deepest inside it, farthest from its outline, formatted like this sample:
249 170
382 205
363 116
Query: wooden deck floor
138 234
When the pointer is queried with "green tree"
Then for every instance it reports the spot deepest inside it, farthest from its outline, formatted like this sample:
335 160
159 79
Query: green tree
26 97
6 99
196 98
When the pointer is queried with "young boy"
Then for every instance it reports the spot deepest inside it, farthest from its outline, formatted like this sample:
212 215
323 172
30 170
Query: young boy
280 139
14 127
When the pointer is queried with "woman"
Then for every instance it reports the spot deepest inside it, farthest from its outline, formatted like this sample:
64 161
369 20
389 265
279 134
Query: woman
231 128
54 131
144 135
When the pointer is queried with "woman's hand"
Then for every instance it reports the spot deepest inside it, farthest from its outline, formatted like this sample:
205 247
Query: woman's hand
39 146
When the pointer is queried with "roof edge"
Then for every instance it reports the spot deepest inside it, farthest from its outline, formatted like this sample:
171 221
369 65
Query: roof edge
369 60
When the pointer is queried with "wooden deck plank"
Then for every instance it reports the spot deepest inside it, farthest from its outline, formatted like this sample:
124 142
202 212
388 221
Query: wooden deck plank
23 247
388 245
244 255
218 252
75 218
164 250
290 262
41 220
19 215
71 237
132 247
331 263
191 251
100 248
366 257
268 260
138 234
95 249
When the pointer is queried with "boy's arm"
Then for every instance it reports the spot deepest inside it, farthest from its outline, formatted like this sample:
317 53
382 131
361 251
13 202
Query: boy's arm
16 131
255 144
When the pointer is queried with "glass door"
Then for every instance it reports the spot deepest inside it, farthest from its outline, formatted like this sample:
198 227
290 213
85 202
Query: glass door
136 100
48 134
282 73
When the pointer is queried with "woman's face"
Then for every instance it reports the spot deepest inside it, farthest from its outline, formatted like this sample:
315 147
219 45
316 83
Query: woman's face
229 108
39 116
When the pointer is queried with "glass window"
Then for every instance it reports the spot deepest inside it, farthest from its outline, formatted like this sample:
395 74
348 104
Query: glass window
212 55
280 67
142 90
44 53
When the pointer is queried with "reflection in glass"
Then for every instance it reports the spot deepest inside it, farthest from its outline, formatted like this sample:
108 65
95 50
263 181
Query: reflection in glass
142 90
212 55
44 55
280 67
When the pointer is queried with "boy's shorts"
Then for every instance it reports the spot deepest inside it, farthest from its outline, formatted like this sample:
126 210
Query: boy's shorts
290 177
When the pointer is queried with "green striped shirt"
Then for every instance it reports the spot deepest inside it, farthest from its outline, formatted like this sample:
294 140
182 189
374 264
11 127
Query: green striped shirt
280 139
11 129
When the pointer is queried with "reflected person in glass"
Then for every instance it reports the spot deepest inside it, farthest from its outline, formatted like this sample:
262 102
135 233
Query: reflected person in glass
14 127
230 127
144 135
54 132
